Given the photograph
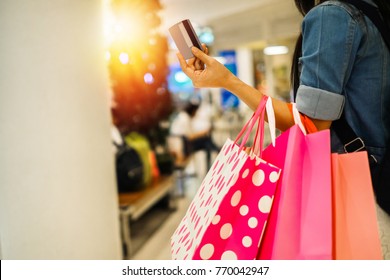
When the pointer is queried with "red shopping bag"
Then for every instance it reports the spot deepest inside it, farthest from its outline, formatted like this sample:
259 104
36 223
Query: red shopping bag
228 214
300 222
355 231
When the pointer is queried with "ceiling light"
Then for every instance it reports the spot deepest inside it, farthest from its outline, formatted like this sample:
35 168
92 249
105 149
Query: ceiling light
275 50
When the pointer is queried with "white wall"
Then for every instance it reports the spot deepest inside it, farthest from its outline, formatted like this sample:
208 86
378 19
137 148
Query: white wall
57 187
271 20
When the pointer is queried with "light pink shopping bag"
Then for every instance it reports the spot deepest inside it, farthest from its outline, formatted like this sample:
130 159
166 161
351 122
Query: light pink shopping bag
232 167
300 222
356 233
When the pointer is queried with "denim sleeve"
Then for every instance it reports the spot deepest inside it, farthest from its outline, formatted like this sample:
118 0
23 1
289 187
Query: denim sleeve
331 39
319 104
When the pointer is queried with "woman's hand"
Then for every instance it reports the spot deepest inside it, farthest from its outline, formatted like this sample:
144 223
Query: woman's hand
195 62
205 71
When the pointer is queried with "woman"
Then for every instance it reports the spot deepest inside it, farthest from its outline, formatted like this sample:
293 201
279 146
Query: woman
194 141
341 66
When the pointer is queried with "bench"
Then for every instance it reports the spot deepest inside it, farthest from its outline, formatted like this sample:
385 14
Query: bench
133 205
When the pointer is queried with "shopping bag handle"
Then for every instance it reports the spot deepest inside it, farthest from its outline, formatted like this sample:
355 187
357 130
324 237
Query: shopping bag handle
246 130
271 120
265 105
297 118
257 147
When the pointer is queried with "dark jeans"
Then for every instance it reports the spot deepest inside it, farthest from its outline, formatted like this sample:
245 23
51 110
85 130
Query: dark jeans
202 144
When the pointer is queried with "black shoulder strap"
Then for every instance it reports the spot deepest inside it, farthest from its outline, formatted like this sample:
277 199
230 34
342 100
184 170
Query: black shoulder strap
353 143
374 15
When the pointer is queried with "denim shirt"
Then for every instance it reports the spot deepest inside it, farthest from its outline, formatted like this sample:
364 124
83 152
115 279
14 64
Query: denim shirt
345 65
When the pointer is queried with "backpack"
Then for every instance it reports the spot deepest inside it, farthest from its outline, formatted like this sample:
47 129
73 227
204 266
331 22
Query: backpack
141 144
380 172
129 169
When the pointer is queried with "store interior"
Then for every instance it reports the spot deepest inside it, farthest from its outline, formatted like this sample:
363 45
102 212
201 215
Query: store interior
78 77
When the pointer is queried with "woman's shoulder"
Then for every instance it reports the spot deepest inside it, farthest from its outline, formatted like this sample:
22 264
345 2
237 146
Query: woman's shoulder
335 7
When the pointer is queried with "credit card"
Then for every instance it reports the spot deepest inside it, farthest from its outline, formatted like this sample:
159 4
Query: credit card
185 38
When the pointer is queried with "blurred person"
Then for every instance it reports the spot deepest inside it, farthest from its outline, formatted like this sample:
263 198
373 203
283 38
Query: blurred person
341 68
193 140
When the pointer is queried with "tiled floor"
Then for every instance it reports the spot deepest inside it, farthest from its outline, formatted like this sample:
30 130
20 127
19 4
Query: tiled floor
384 232
158 246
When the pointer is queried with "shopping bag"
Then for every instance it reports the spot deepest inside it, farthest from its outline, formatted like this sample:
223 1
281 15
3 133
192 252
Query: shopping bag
226 218
203 207
356 234
300 222
236 229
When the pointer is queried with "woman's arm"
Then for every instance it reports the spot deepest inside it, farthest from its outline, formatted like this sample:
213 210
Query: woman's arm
214 74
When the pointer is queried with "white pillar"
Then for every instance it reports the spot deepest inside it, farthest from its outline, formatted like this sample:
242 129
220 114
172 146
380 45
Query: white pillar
245 65
245 71
269 73
58 195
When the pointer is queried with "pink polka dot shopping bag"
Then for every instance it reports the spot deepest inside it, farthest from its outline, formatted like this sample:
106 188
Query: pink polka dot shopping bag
228 215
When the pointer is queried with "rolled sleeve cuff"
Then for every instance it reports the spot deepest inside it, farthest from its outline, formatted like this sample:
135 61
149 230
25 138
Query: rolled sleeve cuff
319 104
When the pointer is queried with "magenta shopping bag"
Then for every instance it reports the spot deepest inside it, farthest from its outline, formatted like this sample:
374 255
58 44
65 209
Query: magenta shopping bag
300 222
228 214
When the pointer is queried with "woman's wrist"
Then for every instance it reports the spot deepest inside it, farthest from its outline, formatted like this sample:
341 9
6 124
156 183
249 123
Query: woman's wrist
232 83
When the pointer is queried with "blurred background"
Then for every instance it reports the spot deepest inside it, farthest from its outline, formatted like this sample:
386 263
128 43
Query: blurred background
78 76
